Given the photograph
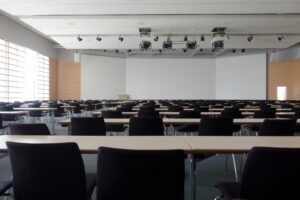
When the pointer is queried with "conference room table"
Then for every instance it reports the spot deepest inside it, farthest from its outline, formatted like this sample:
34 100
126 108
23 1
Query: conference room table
191 145
175 114
46 109
175 121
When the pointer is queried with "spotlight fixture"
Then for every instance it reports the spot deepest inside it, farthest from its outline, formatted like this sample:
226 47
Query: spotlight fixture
250 38
201 49
121 38
104 50
233 50
129 50
79 38
117 51
159 50
168 44
202 38
156 38
145 45
184 50
98 38
185 38
191 44
243 50
280 38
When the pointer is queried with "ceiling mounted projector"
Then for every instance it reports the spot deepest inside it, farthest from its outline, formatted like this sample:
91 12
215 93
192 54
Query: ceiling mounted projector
191 44
219 37
145 45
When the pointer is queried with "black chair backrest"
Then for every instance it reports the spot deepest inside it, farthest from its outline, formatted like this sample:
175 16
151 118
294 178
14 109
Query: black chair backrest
277 127
28 129
202 109
271 173
87 126
148 113
216 127
111 114
1 122
189 114
264 114
124 109
47 171
136 175
146 126
175 108
147 108
231 114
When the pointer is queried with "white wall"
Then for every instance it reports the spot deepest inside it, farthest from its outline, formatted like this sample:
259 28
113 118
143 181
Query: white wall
16 33
241 77
102 77
170 78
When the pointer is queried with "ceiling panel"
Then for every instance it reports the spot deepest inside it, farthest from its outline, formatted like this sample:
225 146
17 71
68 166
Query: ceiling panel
88 7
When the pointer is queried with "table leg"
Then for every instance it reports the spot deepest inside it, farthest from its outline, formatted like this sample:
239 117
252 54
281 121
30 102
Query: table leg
236 173
192 177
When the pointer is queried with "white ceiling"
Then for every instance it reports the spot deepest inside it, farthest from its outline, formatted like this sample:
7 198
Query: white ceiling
64 20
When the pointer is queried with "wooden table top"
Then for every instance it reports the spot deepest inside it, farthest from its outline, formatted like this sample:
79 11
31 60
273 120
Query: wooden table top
190 144
35 109
13 112
115 121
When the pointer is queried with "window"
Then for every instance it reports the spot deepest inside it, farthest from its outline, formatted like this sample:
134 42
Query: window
24 73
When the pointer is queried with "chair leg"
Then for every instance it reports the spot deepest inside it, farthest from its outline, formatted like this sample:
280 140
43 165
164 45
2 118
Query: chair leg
235 168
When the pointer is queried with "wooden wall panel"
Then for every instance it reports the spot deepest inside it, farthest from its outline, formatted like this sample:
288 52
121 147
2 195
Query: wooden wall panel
68 80
53 78
284 73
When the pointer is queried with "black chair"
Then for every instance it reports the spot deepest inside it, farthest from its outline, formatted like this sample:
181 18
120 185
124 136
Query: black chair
124 109
277 127
87 126
147 108
175 108
28 129
4 187
49 171
8 118
188 128
216 127
261 114
232 113
146 126
269 173
140 175
113 114
148 113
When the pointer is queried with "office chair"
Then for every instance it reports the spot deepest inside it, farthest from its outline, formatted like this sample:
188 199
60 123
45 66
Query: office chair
146 126
87 126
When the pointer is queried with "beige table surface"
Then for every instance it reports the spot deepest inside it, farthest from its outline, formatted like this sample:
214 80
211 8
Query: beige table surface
13 112
90 144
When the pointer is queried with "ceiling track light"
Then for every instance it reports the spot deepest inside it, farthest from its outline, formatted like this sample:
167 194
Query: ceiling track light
160 51
121 38
156 38
98 38
191 45
117 51
145 45
185 38
233 50
168 44
79 38
250 38
280 38
243 50
202 38
129 51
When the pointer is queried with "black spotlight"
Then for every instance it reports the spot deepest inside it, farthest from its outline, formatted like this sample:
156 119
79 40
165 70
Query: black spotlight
185 38
129 50
117 51
243 50
202 38
168 44
184 50
201 49
104 50
250 38
156 38
280 38
191 44
145 45
79 38
98 38
121 38
159 50
233 50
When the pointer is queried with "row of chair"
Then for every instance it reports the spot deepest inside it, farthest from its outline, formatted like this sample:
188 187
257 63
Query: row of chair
56 172
154 126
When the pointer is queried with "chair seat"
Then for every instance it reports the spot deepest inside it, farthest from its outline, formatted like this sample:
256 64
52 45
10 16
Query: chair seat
91 180
4 186
230 190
